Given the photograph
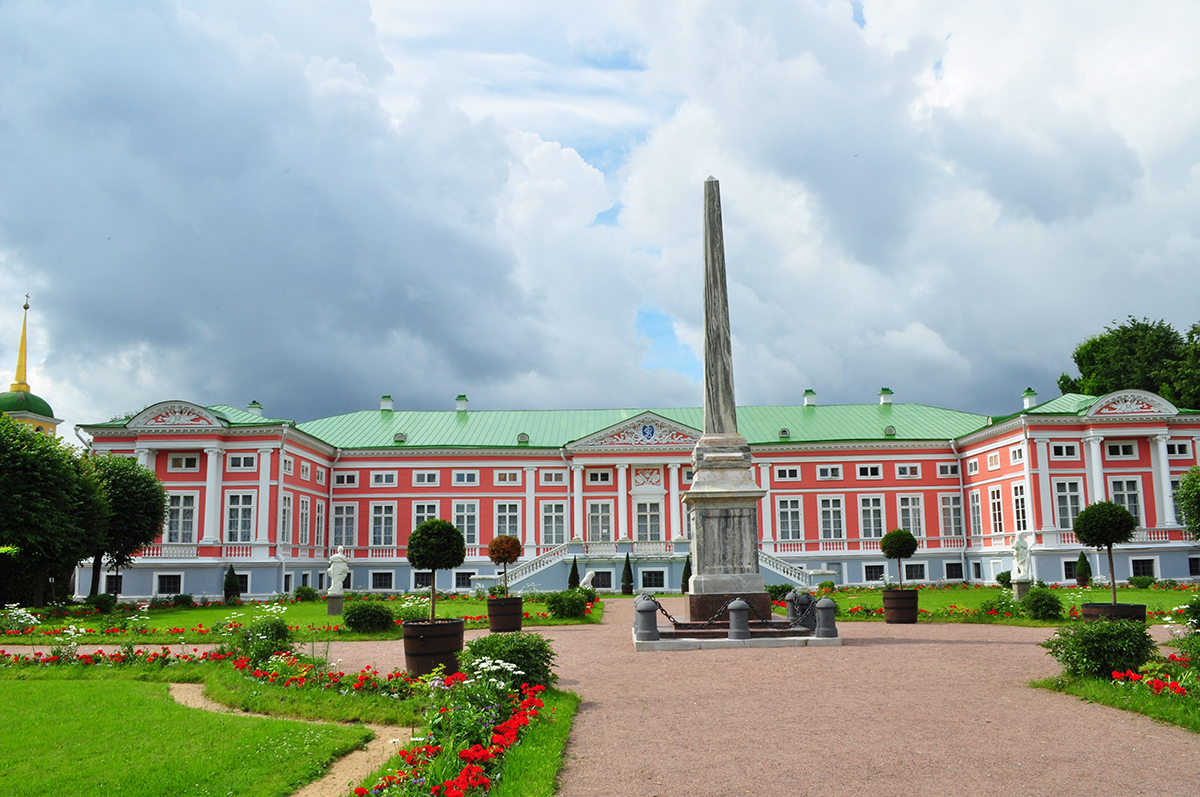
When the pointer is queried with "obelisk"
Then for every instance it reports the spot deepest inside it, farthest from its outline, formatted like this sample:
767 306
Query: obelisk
723 499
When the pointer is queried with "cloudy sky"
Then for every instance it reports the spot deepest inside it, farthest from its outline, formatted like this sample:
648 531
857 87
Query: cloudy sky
314 203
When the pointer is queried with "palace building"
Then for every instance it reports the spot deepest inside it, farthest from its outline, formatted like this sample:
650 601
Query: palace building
274 498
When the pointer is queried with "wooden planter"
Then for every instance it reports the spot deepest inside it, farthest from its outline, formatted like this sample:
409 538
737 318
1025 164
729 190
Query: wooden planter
426 645
1108 611
504 614
900 605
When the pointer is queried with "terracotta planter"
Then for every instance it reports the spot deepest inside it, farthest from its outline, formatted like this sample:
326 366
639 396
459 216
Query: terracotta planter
1108 611
505 614
426 645
900 605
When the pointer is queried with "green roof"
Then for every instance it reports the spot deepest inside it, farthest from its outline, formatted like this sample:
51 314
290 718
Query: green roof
237 417
1066 404
555 428
22 401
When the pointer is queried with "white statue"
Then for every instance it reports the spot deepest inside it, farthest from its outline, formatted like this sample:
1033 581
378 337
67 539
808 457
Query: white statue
339 567
587 579
1021 556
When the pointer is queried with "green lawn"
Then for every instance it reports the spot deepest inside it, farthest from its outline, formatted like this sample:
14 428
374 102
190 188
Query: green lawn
1175 711
130 738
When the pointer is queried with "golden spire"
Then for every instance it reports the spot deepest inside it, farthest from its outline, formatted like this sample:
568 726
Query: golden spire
20 383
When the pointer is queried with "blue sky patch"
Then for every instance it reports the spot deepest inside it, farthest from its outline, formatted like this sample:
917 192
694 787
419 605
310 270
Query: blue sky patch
666 351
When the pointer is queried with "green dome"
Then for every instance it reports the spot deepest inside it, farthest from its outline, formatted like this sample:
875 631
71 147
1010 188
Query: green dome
20 401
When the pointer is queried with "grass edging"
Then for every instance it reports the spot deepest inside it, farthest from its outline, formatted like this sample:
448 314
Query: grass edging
1094 690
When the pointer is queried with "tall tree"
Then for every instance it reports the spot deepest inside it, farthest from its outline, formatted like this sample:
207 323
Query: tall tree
139 504
1187 501
1142 355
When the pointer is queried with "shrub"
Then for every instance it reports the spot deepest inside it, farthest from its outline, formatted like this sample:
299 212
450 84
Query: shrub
105 602
589 593
999 605
827 584
1189 646
366 617
1004 579
1192 613
1083 569
779 591
162 601
265 637
306 594
1141 582
573 576
231 586
184 601
567 604
1098 648
627 577
531 653
687 575
413 608
1041 603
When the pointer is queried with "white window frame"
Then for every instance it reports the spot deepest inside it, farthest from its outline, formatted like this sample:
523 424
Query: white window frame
972 466
420 511
1120 445
907 563
383 479
948 577
687 475
951 514
512 529
1058 507
285 518
183 467
1140 515
252 505
784 523
869 471
166 531
832 473
598 476
304 519
1183 449
996 509
169 573
506 478
787 473
1016 454
554 477
349 478
831 514
465 478
241 466
469 573
1070 450
603 536
908 470
288 464
917 528
343 515
648 521
993 460
1020 507
559 535
1144 557
381 513
643 571
426 478
371 580
866 522
305 471
412 579
882 575
320 475
612 578
975 514
947 470
319 523
466 519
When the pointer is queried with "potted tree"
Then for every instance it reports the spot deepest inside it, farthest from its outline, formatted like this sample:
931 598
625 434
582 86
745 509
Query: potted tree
504 614
899 605
1101 526
627 578
434 545
1083 570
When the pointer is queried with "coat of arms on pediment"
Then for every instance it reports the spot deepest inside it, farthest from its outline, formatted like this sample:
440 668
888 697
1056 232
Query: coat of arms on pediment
174 414
1132 402
644 431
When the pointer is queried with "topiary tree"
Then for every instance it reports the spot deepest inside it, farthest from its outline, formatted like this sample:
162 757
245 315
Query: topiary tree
1103 525
687 574
504 550
232 586
1083 570
898 544
1187 501
627 577
436 545
573 576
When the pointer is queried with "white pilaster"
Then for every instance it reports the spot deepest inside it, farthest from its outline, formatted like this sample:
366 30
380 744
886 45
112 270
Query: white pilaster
212 497
623 502
529 533
1095 469
578 518
676 507
1025 466
1160 464
262 532
1045 492
146 458
764 506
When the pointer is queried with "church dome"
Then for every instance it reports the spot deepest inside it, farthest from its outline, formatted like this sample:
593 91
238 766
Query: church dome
21 401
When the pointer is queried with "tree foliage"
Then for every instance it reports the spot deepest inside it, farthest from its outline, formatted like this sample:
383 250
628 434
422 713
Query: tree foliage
1140 355
898 544
1103 525
436 545
504 549
139 504
1187 501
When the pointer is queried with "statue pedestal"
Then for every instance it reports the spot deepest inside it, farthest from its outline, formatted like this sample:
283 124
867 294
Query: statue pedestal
1020 587
333 605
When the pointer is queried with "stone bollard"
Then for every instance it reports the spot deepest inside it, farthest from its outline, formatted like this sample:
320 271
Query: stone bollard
739 619
826 627
645 621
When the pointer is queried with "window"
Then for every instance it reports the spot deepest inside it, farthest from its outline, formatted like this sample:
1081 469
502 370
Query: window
993 460
305 471
977 570
239 517
870 471
654 579
873 572
1179 449
305 506
870 517
1127 493
997 510
112 584
687 475
954 571
1064 451
344 530
181 519
319 531
1141 567
599 477
1016 455
241 462
507 477
952 525
320 475
1193 567
383 525
908 471
787 474
1121 450
1069 569
304 579
829 471
553 477
285 519
911 519
508 519
466 478
462 579
423 511
554 524
947 470
422 579
915 571
599 521
972 467
425 478
287 466
383 478
168 584
244 582
345 479
976 513
831 517
381 580
649 521
789 519
1019 521
602 579
464 518
1067 503
183 462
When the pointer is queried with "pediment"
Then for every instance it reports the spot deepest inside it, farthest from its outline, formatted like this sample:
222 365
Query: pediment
1138 403
174 415
647 430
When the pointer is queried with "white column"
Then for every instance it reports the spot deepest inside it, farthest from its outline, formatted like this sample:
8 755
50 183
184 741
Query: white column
529 536
1025 465
623 502
212 497
146 458
261 534
578 518
676 507
764 511
1161 467
1095 469
1044 489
